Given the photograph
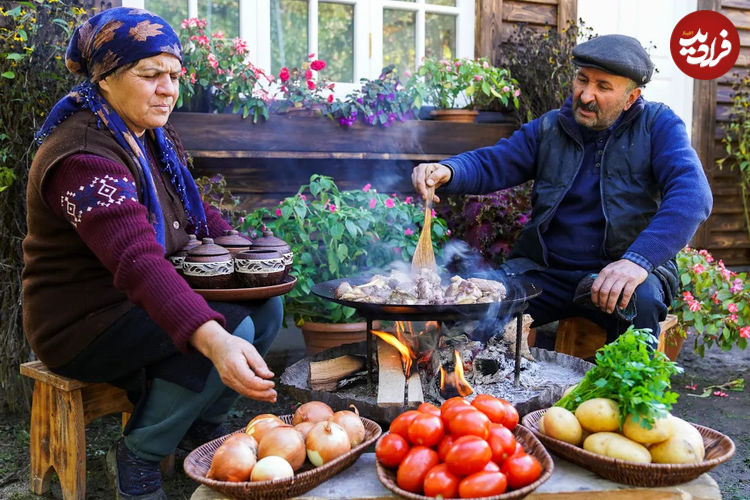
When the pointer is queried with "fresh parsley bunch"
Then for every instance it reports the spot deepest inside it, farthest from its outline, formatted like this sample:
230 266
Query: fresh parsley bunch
629 373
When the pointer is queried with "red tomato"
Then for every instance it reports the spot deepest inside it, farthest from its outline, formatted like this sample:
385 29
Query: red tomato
519 450
502 442
414 467
467 423
490 406
429 408
453 401
440 481
482 484
511 415
521 470
445 445
448 414
391 449
468 454
426 430
400 424
491 467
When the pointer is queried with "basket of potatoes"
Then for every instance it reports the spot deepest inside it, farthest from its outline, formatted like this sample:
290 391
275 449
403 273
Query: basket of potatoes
672 451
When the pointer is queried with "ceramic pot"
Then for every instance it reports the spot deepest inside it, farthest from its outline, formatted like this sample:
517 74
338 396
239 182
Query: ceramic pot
268 240
233 241
455 115
322 336
259 267
178 257
208 266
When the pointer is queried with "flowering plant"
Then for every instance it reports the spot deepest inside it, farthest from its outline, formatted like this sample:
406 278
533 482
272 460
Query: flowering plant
218 75
378 102
305 87
338 234
467 83
713 302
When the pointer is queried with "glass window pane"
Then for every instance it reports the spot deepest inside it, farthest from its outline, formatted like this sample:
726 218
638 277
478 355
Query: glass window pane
399 39
221 15
336 41
440 36
172 11
288 34
449 3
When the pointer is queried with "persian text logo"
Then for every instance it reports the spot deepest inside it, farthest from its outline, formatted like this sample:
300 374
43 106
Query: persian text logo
705 44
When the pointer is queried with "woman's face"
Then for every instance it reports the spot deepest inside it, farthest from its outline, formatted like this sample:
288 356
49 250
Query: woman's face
145 94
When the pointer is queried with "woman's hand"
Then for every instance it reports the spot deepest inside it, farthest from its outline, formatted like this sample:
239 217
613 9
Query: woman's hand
239 364
432 175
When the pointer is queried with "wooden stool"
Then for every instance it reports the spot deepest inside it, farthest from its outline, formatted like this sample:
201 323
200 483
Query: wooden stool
60 410
581 337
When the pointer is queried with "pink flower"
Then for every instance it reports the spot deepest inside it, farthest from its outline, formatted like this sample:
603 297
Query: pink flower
240 46
219 35
308 74
721 394
745 332
367 188
389 203
732 318
715 299
407 73
317 65
408 231
310 84
726 274
310 56
212 61
477 78
692 387
192 78
332 208
278 212
687 296
433 212
736 286
506 89
485 64
203 40
183 71
732 307
284 74
698 269
695 306
304 198
373 202
408 200
517 93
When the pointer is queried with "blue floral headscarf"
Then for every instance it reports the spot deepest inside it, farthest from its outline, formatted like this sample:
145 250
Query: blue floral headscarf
107 41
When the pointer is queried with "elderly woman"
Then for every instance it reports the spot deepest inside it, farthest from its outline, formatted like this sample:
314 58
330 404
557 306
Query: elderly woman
109 198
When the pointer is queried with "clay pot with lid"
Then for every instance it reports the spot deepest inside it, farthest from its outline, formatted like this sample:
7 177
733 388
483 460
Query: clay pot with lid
208 266
268 240
233 241
259 267
178 257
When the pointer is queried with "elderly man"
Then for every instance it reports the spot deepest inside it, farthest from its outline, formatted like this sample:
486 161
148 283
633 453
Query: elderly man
618 191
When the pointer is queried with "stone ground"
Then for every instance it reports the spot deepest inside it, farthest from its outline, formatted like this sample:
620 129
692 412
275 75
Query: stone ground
729 415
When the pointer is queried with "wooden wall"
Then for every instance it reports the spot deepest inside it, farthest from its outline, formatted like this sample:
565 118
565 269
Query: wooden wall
725 233
495 20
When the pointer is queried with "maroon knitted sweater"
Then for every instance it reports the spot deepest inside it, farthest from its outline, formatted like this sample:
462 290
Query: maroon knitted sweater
119 230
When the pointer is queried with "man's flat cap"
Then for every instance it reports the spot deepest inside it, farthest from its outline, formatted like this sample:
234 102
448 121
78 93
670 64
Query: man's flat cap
617 54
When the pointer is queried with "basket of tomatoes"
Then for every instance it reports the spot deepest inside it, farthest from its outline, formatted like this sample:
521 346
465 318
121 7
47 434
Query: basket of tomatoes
461 449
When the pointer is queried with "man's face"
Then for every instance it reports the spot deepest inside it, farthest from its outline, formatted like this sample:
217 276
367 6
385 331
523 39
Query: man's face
599 97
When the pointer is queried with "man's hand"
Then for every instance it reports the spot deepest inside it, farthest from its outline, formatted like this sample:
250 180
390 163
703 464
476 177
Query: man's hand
619 277
239 364
429 174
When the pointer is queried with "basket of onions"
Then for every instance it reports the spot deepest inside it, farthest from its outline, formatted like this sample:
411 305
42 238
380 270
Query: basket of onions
283 456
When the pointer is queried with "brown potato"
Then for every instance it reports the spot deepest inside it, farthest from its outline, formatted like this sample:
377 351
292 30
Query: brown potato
561 424
660 431
599 415
684 447
617 446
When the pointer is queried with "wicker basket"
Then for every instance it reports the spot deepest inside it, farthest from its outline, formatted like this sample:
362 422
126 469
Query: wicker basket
719 448
528 441
199 460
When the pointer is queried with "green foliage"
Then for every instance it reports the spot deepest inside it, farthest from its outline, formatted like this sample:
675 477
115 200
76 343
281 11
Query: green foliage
714 303
215 192
467 83
305 87
33 39
629 373
736 140
217 74
338 234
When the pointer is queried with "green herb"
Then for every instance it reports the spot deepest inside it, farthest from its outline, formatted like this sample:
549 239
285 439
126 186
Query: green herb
628 372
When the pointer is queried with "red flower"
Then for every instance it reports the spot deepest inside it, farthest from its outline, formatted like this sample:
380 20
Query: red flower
310 84
317 64
284 74
308 74
330 98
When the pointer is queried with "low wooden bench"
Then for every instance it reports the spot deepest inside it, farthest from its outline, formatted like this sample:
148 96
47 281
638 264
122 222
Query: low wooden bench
581 337
60 410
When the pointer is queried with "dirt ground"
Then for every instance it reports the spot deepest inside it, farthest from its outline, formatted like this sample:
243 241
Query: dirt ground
730 415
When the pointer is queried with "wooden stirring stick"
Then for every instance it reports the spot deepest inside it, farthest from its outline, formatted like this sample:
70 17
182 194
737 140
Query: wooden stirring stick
424 256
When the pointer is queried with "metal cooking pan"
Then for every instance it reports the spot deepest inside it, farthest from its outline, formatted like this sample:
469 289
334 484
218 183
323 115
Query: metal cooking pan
515 300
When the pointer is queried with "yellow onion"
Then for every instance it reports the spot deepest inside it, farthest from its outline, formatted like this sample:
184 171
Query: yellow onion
234 460
285 442
260 417
258 428
314 411
304 428
352 424
270 468
325 442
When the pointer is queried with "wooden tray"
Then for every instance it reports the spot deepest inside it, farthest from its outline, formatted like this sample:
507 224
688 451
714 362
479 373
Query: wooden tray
524 436
196 466
719 448
241 294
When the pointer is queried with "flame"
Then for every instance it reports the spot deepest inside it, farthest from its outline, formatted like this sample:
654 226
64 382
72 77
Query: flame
406 355
457 380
